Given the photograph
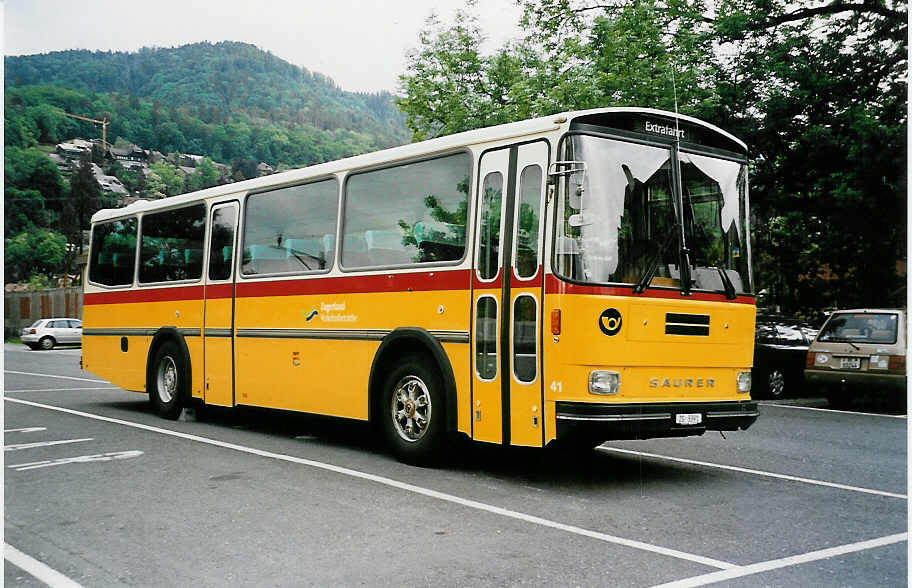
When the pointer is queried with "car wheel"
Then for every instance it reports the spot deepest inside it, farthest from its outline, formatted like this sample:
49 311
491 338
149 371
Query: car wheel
168 382
775 383
47 343
413 411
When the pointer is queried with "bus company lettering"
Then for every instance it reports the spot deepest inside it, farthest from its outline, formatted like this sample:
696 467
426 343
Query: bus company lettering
682 383
661 129
334 312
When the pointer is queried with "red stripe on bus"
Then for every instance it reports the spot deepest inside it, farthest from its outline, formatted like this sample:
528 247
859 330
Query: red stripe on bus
553 285
410 282
150 295
219 291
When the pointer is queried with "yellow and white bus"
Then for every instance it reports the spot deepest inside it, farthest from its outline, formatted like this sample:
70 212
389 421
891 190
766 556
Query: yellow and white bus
584 276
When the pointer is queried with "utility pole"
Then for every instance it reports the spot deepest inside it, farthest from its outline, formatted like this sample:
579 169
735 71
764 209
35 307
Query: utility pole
103 122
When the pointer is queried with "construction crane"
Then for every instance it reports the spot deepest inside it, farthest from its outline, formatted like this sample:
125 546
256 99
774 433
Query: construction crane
103 122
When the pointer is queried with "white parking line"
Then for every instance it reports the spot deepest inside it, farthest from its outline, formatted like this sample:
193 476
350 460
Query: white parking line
753 472
53 376
47 463
775 564
62 389
25 430
48 575
873 414
20 446
713 563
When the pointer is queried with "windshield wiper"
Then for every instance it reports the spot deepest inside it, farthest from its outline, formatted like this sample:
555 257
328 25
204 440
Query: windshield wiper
653 265
727 284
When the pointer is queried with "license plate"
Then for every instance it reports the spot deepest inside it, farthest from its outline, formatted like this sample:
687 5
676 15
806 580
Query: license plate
689 418
852 363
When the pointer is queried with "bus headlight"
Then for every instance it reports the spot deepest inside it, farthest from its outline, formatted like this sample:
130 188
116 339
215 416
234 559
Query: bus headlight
604 382
744 382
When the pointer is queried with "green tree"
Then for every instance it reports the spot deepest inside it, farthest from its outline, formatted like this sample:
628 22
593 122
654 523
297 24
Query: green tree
30 169
24 210
153 186
818 93
172 179
39 251
206 176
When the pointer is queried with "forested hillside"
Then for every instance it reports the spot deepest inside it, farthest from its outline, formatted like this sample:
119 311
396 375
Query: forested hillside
227 100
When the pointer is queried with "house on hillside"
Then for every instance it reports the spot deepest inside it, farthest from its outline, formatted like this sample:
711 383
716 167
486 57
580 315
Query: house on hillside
109 183
68 154
130 156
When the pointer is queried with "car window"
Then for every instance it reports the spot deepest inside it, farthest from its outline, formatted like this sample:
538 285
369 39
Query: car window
36 323
51 325
766 333
791 334
861 328
75 324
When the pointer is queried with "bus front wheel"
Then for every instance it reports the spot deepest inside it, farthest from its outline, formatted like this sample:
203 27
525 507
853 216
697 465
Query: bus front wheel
413 411
169 381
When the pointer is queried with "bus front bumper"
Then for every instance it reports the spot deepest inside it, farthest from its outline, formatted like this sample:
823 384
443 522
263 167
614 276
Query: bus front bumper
647 420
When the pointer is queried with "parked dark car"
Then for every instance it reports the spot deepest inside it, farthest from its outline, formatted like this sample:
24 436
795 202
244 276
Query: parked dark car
780 353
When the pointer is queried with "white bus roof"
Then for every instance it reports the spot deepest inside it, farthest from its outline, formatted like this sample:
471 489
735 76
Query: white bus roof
504 132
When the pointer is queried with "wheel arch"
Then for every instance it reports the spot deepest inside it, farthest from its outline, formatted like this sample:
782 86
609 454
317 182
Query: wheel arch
399 343
162 336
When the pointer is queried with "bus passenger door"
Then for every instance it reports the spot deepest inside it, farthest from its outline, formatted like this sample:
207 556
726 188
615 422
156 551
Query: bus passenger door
218 322
507 294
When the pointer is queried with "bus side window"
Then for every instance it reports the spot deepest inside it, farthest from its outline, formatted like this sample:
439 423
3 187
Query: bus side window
172 245
528 222
221 243
113 254
287 230
406 214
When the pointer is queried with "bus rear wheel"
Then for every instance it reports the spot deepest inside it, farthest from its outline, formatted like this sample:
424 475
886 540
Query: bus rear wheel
413 417
168 381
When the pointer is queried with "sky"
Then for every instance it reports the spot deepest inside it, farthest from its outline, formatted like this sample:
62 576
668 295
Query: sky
361 45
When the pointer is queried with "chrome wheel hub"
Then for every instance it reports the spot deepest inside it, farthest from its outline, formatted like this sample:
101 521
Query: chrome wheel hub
776 383
411 408
166 379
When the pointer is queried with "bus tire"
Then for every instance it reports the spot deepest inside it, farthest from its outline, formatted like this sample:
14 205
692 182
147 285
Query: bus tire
169 382
413 411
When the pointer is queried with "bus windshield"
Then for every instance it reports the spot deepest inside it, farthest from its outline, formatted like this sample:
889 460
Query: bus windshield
618 220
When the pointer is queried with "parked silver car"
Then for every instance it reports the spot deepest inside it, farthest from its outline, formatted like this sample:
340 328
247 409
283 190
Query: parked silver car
46 333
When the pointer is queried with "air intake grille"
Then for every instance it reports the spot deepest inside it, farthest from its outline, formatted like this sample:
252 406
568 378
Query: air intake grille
677 323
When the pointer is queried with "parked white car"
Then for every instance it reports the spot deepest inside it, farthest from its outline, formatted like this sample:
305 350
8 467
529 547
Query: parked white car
46 333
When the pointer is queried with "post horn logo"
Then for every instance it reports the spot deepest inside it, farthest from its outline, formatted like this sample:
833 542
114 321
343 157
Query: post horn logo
610 321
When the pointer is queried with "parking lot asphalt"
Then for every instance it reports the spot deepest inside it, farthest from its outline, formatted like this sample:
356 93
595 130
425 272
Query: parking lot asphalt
101 492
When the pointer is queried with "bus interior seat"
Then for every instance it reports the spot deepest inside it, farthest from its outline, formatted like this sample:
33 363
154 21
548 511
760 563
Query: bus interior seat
386 248
354 251
329 247
122 259
193 257
305 254
265 259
